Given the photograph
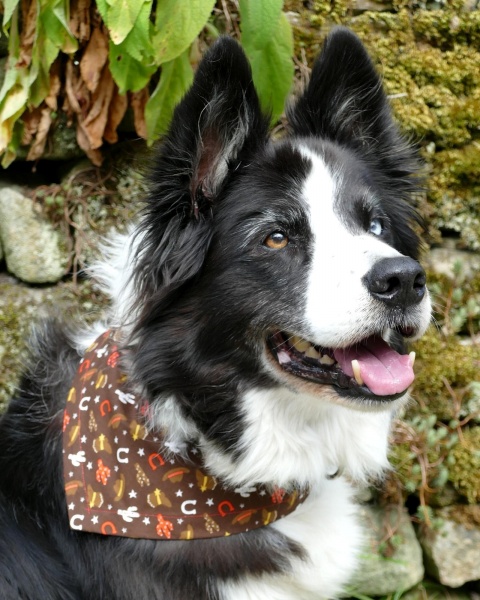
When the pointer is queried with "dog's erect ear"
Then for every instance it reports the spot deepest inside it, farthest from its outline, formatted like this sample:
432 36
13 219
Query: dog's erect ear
344 100
218 122
216 128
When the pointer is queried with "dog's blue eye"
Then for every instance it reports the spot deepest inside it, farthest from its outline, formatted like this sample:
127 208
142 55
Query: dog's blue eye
376 227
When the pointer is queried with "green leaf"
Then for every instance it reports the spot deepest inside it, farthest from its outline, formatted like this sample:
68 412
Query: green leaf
272 66
176 78
259 21
129 74
56 24
137 42
14 96
122 15
177 24
8 8
103 10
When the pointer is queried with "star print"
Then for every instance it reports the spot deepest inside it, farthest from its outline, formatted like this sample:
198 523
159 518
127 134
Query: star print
132 494
82 499
146 520
124 432
89 466
115 407
75 415
179 521
71 506
115 439
115 468
155 439
70 474
194 451
191 485
97 399
263 493
95 519
110 507
209 502
109 386
179 493
141 452
172 462
84 390
242 505
124 530
83 439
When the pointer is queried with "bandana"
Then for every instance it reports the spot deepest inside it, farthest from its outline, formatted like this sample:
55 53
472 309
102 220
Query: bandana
122 479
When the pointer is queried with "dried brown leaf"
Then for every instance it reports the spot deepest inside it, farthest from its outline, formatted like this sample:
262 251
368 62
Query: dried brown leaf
94 58
96 120
79 98
82 139
31 120
116 112
29 27
38 146
138 100
55 85
80 19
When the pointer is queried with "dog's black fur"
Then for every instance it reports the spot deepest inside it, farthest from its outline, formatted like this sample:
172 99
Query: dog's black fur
211 171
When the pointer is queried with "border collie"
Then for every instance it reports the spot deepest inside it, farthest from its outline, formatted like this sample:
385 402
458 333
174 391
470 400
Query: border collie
259 309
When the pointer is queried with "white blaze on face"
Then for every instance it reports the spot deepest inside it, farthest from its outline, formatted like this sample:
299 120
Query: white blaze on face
339 308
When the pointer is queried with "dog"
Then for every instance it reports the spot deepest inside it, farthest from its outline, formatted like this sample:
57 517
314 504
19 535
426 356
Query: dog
251 364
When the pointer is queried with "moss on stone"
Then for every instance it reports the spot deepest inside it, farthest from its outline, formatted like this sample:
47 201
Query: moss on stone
443 359
465 514
12 344
456 302
21 306
465 465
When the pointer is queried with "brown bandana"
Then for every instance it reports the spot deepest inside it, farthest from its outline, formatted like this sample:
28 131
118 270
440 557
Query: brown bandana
121 479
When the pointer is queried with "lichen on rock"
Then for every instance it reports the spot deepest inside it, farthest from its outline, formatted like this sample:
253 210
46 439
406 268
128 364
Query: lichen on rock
465 465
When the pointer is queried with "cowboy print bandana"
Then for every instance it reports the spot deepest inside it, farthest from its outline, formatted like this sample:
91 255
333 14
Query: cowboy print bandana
121 479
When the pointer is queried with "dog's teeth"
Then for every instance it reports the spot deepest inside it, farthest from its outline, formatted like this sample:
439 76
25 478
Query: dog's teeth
356 372
326 360
283 357
300 344
312 353
412 358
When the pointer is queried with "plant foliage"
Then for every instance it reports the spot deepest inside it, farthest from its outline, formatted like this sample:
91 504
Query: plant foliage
93 61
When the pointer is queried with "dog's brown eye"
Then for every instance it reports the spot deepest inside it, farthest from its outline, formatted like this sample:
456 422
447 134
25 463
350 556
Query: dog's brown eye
276 240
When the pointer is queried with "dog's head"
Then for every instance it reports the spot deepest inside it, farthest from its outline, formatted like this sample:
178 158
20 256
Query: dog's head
291 261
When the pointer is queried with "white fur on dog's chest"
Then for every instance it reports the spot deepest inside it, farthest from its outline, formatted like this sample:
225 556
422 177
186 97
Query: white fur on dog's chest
325 527
303 440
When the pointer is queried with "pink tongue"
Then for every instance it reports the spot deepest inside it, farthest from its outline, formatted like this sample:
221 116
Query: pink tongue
384 371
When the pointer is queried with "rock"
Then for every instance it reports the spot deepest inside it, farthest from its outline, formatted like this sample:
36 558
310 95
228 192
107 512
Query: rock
434 590
379 576
444 260
452 550
61 144
360 6
34 250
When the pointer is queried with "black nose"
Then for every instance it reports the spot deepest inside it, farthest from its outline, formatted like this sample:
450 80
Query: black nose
398 281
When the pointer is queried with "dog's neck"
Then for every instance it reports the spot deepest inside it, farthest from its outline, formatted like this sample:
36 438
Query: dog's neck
287 449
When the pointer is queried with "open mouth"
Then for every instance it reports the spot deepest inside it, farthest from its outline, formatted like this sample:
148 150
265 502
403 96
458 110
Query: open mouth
369 369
